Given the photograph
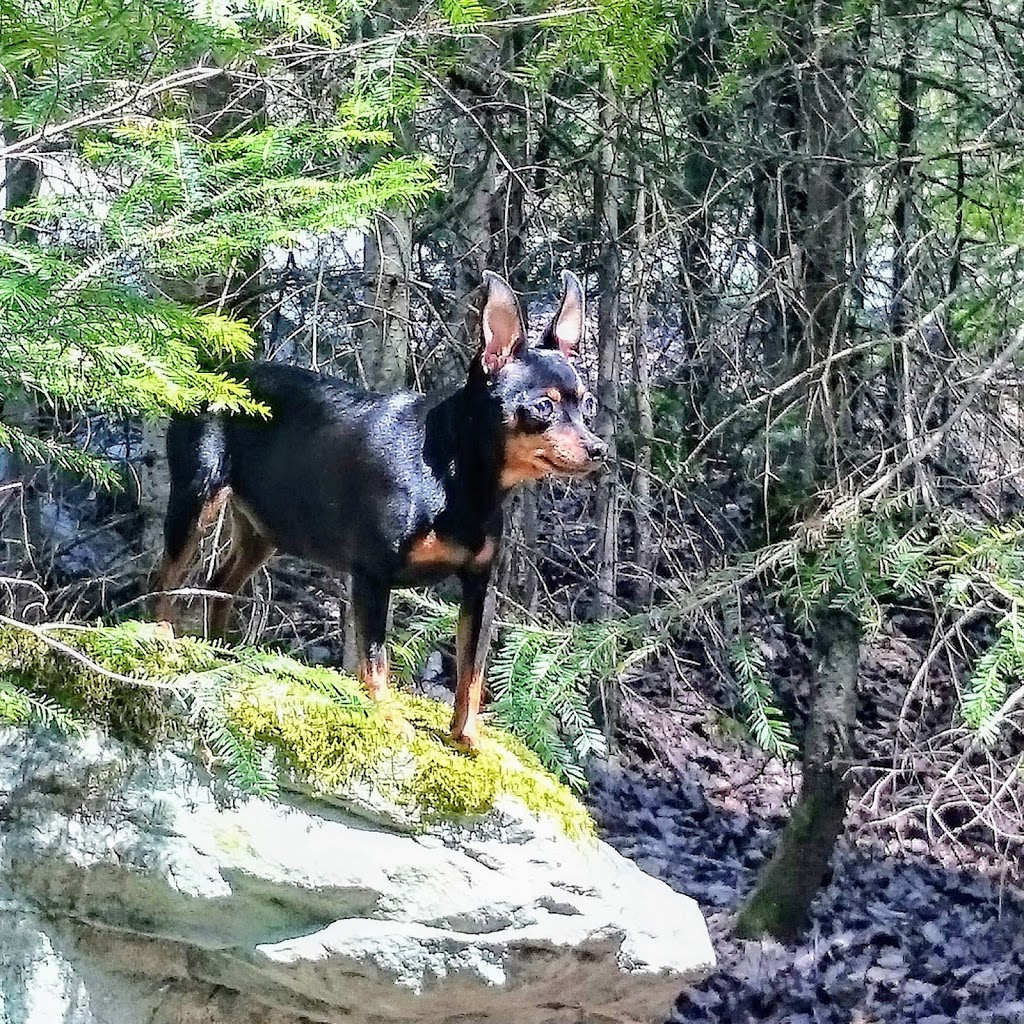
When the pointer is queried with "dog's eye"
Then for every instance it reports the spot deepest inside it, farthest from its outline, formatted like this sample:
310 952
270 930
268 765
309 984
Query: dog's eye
542 409
588 406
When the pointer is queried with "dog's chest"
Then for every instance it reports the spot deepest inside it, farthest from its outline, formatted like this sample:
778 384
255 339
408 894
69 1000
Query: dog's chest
431 552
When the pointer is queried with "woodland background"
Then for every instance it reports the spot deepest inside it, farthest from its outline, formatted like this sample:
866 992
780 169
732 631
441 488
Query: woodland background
799 226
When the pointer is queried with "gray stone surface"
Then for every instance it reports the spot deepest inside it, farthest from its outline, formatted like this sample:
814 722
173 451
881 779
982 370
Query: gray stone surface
132 890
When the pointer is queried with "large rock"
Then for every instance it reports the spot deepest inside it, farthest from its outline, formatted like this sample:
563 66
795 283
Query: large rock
132 890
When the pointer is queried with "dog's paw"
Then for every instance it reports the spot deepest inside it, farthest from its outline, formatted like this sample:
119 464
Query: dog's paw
467 739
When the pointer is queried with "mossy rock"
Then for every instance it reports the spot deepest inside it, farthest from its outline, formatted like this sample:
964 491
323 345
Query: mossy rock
323 732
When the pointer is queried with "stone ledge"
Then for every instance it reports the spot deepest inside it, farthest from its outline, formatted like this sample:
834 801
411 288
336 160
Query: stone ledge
133 891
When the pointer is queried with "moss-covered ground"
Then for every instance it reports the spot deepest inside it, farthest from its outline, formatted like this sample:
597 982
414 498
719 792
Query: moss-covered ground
148 688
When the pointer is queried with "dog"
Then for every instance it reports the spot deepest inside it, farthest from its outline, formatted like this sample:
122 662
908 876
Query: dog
397 490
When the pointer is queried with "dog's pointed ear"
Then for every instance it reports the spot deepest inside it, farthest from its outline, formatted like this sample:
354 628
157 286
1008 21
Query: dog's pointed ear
499 322
565 332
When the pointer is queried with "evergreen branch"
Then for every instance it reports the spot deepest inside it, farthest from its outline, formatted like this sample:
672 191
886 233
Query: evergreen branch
541 679
20 707
767 724
21 148
984 697
41 633
43 451
249 765
302 20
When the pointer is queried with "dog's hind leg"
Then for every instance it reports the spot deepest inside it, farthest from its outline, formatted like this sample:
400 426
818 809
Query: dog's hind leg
198 492
248 552
187 521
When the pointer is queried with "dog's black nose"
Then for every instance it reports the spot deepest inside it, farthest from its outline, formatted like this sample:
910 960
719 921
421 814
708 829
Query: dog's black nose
596 449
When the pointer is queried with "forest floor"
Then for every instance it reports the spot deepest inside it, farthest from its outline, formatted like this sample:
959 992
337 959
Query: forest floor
906 931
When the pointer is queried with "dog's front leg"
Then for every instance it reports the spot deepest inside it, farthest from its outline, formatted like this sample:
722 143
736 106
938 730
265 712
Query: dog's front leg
471 643
370 599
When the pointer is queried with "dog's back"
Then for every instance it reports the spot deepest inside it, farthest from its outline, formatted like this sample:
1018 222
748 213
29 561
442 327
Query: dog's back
335 474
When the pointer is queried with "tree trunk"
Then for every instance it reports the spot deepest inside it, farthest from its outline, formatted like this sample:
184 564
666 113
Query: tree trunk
782 898
606 504
386 268
21 181
472 212
154 481
23 541
643 512
943 407
820 236
900 406
777 196
21 534
903 217
509 254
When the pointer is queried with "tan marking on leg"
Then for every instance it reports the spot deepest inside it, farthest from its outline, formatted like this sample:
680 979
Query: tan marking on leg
466 720
431 550
211 510
485 555
373 674
465 728
170 576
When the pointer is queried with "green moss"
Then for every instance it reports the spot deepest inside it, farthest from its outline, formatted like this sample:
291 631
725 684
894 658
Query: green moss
318 721
131 712
337 747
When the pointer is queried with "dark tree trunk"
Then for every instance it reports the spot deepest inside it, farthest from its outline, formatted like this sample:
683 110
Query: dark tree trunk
606 503
788 884
900 405
778 198
820 237
521 580
471 213
21 180
20 482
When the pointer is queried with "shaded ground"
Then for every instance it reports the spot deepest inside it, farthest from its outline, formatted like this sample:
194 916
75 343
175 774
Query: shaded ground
891 941
901 935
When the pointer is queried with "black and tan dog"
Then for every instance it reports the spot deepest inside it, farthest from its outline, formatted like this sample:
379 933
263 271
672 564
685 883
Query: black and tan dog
398 490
